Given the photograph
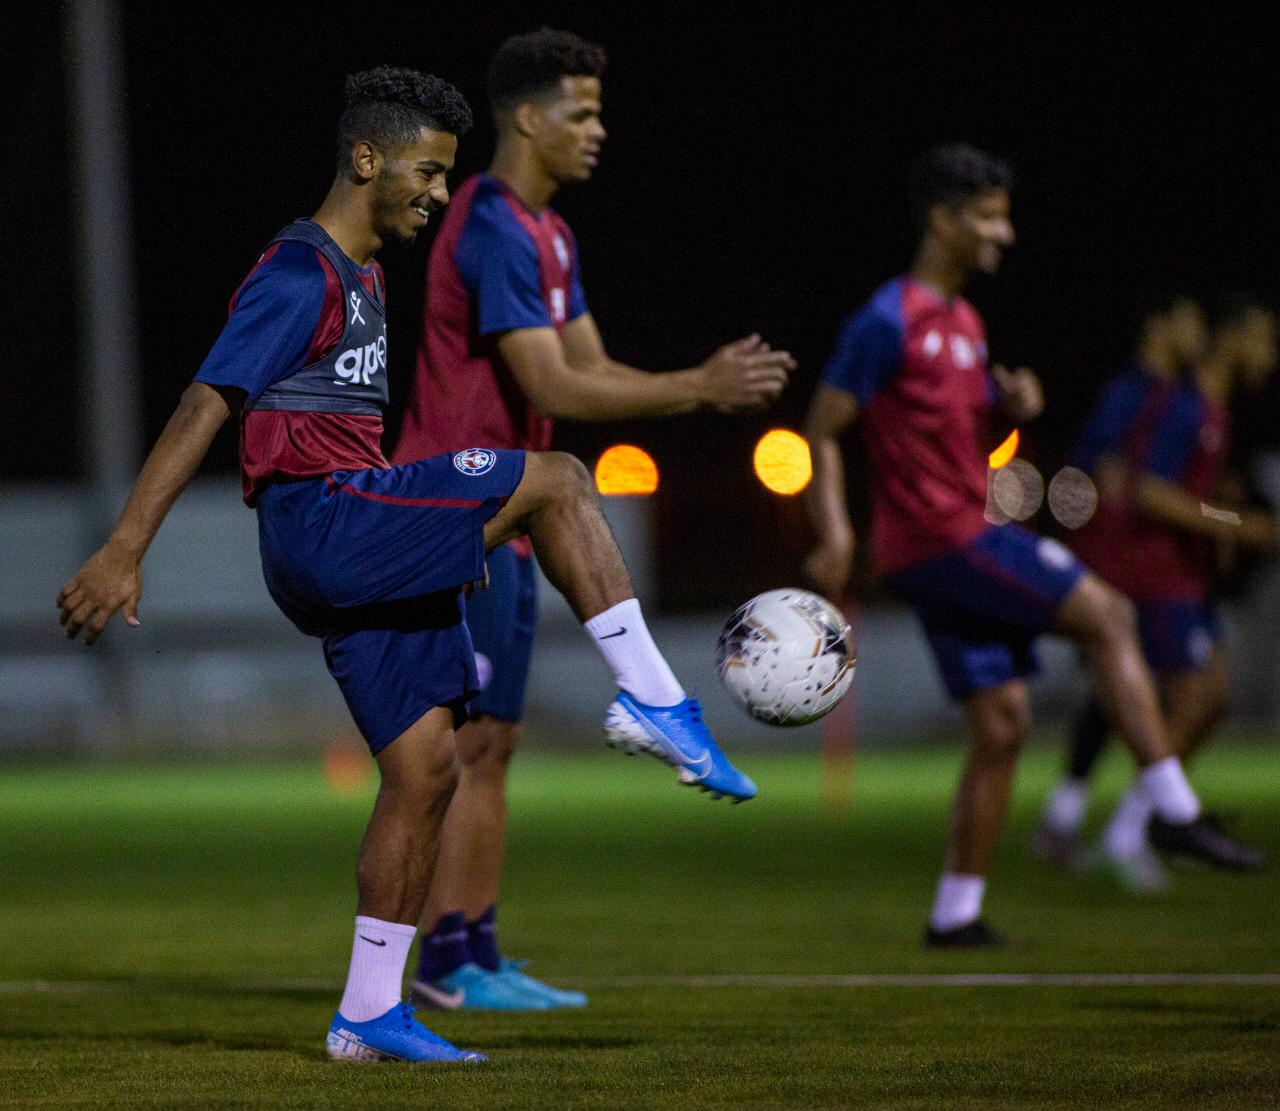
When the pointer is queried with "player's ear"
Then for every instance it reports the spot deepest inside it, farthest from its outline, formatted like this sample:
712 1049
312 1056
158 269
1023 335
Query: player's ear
941 220
366 160
526 119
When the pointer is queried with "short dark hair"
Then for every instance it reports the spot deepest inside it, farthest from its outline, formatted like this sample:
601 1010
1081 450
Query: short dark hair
389 105
952 174
529 65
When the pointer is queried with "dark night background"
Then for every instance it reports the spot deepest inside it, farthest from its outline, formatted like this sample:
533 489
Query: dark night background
754 179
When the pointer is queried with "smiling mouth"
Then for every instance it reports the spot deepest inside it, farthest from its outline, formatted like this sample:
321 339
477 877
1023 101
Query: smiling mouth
425 213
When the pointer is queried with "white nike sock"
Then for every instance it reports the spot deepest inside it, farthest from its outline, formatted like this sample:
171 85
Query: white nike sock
1171 796
638 667
1064 812
377 968
958 901
1126 833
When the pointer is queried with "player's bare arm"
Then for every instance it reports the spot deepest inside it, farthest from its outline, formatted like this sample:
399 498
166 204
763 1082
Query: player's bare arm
1168 503
572 377
830 563
111 578
1019 393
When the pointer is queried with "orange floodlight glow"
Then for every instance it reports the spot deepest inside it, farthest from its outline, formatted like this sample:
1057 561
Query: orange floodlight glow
626 469
1004 452
782 461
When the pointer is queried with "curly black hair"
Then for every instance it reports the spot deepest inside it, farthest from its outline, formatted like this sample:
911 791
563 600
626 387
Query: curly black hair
389 105
953 174
532 64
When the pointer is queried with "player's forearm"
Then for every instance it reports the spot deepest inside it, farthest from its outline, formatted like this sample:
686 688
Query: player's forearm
1173 506
169 467
614 391
825 495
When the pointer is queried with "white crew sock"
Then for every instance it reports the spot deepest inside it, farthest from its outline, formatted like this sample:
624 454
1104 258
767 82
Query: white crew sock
1126 833
958 901
1064 812
638 667
377 968
1171 796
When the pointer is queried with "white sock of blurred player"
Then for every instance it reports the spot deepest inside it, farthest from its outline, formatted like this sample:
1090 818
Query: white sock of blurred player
958 901
638 667
378 956
1065 810
1161 788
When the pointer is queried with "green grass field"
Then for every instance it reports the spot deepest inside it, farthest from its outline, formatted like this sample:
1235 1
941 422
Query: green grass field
176 935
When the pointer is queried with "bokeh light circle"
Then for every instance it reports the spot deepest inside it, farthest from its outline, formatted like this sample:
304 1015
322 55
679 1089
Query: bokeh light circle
626 469
782 461
1073 498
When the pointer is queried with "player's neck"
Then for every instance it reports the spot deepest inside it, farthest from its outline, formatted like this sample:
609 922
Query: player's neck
347 224
523 176
936 271
1215 377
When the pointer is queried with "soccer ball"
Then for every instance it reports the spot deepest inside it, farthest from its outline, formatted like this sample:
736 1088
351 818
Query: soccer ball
786 657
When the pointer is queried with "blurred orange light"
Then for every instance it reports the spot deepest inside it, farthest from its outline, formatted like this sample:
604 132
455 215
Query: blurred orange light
624 469
1004 452
782 461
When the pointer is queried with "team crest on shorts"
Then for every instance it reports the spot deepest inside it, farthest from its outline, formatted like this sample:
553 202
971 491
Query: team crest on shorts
475 460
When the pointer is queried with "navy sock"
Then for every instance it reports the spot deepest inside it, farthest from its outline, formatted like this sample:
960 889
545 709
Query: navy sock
445 948
483 937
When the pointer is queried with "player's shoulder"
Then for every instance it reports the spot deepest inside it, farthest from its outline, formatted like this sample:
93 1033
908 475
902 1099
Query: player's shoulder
489 211
286 270
882 312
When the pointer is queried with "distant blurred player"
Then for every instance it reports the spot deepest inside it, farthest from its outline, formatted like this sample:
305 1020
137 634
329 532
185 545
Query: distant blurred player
372 558
508 343
1156 444
913 364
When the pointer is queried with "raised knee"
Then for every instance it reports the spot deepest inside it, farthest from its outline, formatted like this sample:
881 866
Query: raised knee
1005 727
1117 617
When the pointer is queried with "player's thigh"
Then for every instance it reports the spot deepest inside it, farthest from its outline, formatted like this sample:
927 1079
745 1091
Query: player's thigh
549 477
1095 611
423 759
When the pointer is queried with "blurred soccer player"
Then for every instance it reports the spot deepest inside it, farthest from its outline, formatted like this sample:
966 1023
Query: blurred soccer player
374 558
508 344
1156 442
913 363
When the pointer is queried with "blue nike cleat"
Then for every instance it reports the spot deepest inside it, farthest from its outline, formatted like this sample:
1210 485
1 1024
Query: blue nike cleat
394 1036
472 988
511 971
676 736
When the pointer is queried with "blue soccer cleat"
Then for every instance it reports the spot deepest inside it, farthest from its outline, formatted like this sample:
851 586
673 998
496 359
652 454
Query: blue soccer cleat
511 972
676 736
472 988
394 1036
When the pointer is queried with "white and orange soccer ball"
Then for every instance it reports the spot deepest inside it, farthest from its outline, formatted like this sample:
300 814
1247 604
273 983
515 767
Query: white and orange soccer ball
787 656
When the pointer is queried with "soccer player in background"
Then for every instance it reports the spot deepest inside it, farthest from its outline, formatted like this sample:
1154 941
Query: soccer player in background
1156 444
507 345
912 363
372 558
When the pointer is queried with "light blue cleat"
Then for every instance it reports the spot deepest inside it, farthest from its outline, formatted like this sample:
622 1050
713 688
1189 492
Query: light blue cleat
676 736
394 1036
472 988
511 971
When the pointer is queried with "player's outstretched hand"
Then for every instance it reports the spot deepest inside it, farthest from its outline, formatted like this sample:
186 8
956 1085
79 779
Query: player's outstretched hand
828 567
1020 394
745 375
110 579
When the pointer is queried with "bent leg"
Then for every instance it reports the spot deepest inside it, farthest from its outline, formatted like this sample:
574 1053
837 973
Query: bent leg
1101 621
1197 702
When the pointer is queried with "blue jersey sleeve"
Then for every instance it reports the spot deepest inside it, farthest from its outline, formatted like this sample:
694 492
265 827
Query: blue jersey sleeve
499 266
868 352
577 295
272 325
1176 438
1110 420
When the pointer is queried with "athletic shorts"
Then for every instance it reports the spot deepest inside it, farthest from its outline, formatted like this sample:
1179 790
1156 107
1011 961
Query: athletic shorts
502 621
983 604
373 562
1177 636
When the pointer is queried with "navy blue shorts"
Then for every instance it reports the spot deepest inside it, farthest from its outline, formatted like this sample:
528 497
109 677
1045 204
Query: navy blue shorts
502 621
373 562
983 604
1177 636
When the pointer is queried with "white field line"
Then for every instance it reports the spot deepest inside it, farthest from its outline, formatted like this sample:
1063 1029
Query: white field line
870 980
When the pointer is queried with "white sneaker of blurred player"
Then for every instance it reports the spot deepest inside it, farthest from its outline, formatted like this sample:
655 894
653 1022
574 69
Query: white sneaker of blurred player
1140 870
